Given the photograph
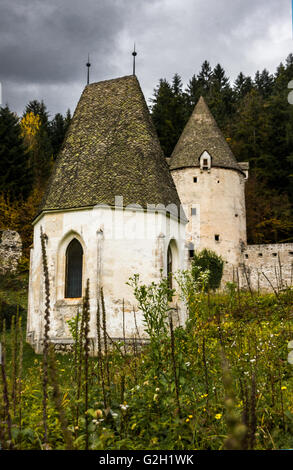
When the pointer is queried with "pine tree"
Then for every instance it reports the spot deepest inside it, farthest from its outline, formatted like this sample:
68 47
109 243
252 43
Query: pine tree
204 78
242 86
179 107
57 130
35 129
264 83
162 116
169 112
193 93
38 108
67 119
15 175
220 98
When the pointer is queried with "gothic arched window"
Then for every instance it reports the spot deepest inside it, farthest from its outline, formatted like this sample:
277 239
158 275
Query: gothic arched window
169 267
73 280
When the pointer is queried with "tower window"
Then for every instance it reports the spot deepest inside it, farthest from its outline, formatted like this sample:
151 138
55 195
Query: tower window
260 255
246 256
274 254
217 238
73 280
193 211
205 161
191 249
195 179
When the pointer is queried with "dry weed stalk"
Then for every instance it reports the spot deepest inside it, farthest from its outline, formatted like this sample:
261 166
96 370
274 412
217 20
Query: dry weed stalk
105 343
100 356
57 397
44 238
5 387
236 430
174 362
86 315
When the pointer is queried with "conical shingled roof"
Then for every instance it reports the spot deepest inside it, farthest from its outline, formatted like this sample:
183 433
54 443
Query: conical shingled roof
111 149
202 133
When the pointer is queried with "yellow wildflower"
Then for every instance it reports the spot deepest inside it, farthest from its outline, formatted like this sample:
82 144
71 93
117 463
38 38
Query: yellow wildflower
99 413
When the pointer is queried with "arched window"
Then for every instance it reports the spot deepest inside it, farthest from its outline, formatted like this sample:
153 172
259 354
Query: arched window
169 267
73 280
172 264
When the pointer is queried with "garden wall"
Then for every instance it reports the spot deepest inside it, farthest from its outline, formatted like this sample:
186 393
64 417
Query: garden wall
267 267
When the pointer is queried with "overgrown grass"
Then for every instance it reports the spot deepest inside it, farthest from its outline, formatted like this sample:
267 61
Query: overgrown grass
221 381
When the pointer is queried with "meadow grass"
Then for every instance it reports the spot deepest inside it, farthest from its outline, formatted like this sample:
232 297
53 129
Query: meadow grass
222 381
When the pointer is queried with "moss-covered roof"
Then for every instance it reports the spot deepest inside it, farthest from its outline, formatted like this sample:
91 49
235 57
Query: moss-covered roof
111 149
202 133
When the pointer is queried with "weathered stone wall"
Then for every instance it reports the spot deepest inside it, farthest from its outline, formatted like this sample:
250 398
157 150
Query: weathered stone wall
214 204
267 267
262 268
10 251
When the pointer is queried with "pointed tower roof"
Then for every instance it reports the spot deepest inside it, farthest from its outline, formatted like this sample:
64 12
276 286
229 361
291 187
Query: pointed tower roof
202 133
111 149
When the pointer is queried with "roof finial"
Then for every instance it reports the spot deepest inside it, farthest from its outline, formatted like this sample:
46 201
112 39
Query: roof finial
88 69
134 55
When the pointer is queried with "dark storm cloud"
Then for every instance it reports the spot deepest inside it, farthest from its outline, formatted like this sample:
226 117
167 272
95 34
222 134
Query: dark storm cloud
44 44
43 41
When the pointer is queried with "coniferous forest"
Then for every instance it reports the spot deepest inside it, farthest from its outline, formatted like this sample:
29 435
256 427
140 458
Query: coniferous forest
253 113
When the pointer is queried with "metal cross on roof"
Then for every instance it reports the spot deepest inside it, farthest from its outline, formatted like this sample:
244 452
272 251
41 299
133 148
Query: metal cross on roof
134 53
88 64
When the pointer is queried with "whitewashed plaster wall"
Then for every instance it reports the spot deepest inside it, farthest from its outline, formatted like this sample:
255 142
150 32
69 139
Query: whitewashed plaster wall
116 244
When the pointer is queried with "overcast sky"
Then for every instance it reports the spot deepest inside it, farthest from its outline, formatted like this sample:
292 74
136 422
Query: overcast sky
44 44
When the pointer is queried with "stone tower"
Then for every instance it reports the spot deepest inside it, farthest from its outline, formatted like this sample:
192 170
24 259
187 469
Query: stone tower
210 183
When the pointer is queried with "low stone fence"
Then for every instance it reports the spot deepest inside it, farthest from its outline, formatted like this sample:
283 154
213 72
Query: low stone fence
264 268
267 267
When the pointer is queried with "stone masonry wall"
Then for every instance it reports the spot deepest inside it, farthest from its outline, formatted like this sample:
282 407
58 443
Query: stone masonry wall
10 251
267 267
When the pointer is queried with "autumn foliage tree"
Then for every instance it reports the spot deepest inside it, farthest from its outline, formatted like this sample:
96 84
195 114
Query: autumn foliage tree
38 143
27 148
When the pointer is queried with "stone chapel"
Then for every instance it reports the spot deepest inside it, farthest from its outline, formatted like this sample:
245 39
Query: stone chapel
111 210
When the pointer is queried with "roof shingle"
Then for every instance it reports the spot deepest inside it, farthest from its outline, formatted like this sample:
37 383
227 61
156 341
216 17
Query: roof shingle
202 133
111 149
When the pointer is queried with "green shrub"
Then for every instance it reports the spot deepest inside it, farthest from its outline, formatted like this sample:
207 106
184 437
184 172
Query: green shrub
208 261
